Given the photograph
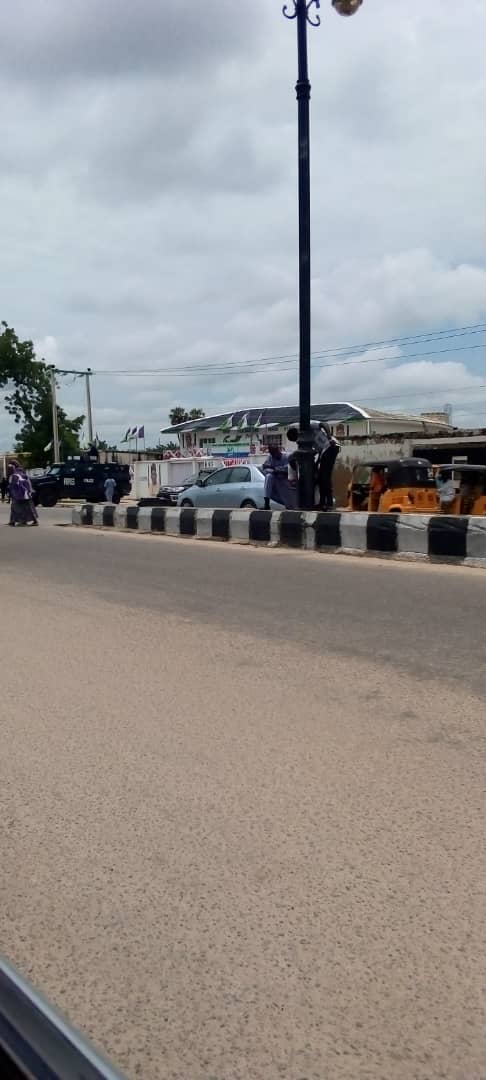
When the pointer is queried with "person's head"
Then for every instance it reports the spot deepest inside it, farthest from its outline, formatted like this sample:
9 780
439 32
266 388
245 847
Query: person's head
293 434
275 451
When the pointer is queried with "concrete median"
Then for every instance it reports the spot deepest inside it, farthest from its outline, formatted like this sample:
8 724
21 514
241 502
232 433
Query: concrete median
414 536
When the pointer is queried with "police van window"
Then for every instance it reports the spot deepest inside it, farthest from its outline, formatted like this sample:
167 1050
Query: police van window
54 470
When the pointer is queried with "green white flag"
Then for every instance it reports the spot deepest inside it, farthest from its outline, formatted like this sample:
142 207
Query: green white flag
243 424
227 424
127 433
257 423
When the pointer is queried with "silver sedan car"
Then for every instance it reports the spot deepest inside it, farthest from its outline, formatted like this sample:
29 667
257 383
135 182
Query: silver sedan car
233 487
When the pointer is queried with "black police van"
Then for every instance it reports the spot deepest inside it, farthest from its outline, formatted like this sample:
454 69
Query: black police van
80 478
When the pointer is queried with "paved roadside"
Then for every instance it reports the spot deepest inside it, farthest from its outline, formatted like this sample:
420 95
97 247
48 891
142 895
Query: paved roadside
242 804
56 515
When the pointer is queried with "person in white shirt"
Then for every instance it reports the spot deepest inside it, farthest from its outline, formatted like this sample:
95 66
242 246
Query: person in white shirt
110 488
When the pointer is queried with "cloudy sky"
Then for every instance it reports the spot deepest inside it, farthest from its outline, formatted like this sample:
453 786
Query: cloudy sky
148 202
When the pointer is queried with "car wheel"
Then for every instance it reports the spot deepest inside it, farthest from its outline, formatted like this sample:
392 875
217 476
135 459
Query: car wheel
48 500
248 505
187 502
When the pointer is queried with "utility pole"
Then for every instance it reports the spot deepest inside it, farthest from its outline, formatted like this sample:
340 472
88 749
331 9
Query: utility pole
89 412
55 426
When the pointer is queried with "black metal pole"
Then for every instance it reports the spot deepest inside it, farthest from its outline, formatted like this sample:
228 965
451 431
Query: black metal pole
306 482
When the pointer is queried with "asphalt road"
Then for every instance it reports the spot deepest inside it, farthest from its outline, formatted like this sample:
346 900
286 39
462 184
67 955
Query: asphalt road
242 805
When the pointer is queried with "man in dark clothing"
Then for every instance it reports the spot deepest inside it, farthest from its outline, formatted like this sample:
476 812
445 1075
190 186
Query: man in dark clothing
3 488
326 449
325 468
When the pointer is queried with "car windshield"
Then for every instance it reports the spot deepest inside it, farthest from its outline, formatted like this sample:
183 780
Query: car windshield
54 470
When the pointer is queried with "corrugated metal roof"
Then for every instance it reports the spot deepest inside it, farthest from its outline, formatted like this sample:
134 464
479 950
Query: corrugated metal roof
333 413
337 412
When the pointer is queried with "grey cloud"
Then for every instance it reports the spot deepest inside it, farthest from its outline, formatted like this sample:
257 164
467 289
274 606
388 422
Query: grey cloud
125 307
56 40
195 154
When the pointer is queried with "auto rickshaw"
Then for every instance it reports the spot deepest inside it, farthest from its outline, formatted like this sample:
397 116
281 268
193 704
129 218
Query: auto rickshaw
400 486
462 489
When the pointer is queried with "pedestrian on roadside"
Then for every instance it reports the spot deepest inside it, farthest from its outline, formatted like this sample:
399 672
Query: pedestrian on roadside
277 487
326 450
325 469
4 488
22 509
110 488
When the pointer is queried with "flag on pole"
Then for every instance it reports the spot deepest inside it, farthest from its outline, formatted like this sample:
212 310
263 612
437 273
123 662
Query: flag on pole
243 424
227 424
257 423
127 435
141 432
133 432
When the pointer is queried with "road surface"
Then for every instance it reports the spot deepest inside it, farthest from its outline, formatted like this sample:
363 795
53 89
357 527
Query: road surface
242 805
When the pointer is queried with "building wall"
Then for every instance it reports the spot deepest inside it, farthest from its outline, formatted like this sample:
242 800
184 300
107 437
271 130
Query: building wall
354 452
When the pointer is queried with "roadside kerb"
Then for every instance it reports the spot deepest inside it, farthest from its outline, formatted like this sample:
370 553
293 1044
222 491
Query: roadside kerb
435 537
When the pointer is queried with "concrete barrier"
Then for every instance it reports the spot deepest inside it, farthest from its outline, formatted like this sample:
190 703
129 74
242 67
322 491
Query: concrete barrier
415 536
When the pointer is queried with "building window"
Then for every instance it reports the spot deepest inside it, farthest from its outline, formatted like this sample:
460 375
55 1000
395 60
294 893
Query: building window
207 442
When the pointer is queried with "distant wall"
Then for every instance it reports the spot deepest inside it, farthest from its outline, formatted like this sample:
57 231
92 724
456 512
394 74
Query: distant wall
354 451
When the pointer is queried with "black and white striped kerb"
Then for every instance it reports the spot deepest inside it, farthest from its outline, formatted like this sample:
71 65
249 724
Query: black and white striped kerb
432 536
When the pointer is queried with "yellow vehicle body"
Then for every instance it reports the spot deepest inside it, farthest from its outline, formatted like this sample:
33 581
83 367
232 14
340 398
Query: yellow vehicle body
400 486
470 489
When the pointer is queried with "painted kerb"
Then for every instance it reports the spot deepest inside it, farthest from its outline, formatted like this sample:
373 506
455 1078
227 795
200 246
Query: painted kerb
416 536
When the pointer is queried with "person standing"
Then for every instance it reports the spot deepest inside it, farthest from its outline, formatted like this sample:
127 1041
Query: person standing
277 485
22 509
3 488
326 450
110 488
325 466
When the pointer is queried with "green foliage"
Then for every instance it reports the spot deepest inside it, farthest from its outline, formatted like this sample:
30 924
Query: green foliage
179 414
36 432
29 401
170 445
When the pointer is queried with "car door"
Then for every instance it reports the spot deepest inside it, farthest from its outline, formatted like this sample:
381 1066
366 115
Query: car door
238 487
213 491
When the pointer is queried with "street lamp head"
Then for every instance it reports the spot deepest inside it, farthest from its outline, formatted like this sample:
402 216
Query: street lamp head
346 7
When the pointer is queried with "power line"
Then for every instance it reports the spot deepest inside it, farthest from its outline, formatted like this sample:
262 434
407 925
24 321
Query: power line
255 367
224 368
426 393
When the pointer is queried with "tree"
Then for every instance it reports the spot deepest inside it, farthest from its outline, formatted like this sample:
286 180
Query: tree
161 446
35 435
29 400
16 357
179 414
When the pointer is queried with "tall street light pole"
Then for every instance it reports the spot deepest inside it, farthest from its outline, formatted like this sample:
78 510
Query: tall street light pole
302 11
